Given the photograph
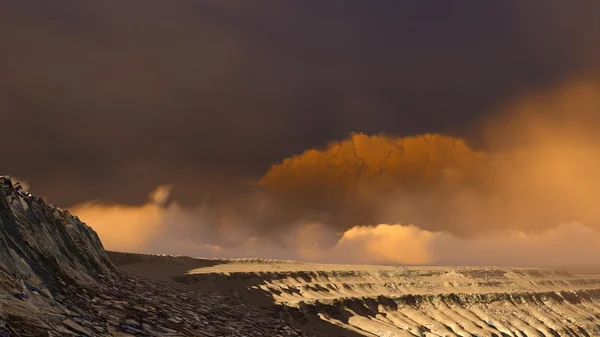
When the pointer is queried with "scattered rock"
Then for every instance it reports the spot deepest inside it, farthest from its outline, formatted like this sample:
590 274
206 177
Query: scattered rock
76 327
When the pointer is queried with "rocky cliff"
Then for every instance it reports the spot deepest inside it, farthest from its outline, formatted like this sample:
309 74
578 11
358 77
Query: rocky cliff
46 256
46 246
56 279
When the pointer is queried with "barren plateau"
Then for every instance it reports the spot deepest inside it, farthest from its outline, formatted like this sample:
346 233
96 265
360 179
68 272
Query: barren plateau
354 300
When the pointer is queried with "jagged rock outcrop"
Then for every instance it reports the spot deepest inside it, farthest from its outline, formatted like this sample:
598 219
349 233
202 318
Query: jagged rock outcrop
47 258
46 246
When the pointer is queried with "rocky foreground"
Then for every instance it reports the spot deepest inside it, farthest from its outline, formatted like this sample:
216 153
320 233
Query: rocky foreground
56 279
352 300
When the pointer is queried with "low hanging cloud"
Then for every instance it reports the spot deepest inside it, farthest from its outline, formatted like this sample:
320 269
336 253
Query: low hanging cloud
531 191
156 228
578 245
127 228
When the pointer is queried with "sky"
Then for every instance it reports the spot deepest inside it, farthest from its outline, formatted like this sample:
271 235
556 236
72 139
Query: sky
342 131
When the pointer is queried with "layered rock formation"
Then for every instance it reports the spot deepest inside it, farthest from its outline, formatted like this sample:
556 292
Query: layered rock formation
354 300
45 253
45 245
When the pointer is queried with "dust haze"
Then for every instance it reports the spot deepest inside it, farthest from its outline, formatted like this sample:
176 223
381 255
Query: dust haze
527 196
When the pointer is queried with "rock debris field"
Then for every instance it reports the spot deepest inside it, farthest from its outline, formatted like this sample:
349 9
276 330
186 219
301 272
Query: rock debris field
138 307
361 300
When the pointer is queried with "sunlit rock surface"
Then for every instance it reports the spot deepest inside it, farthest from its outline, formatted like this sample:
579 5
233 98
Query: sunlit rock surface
354 300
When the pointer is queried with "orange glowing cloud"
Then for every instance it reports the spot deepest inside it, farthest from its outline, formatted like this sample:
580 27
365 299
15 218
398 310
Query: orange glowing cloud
387 244
570 244
126 228
378 161
540 169
532 192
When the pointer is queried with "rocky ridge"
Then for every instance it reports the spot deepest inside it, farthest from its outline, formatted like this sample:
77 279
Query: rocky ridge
56 279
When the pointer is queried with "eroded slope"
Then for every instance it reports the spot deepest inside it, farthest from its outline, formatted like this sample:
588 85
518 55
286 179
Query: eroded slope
56 279
401 301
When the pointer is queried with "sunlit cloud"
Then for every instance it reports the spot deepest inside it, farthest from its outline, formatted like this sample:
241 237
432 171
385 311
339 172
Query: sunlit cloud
530 192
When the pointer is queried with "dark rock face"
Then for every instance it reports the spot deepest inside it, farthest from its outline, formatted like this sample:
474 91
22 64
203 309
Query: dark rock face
46 254
46 246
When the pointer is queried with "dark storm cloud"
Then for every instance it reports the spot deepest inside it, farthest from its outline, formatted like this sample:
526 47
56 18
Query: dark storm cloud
105 100
360 199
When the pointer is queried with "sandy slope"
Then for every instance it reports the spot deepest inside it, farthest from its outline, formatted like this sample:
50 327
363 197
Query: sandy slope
398 301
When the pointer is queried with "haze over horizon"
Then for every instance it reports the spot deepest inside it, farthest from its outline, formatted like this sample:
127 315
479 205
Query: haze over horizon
387 132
